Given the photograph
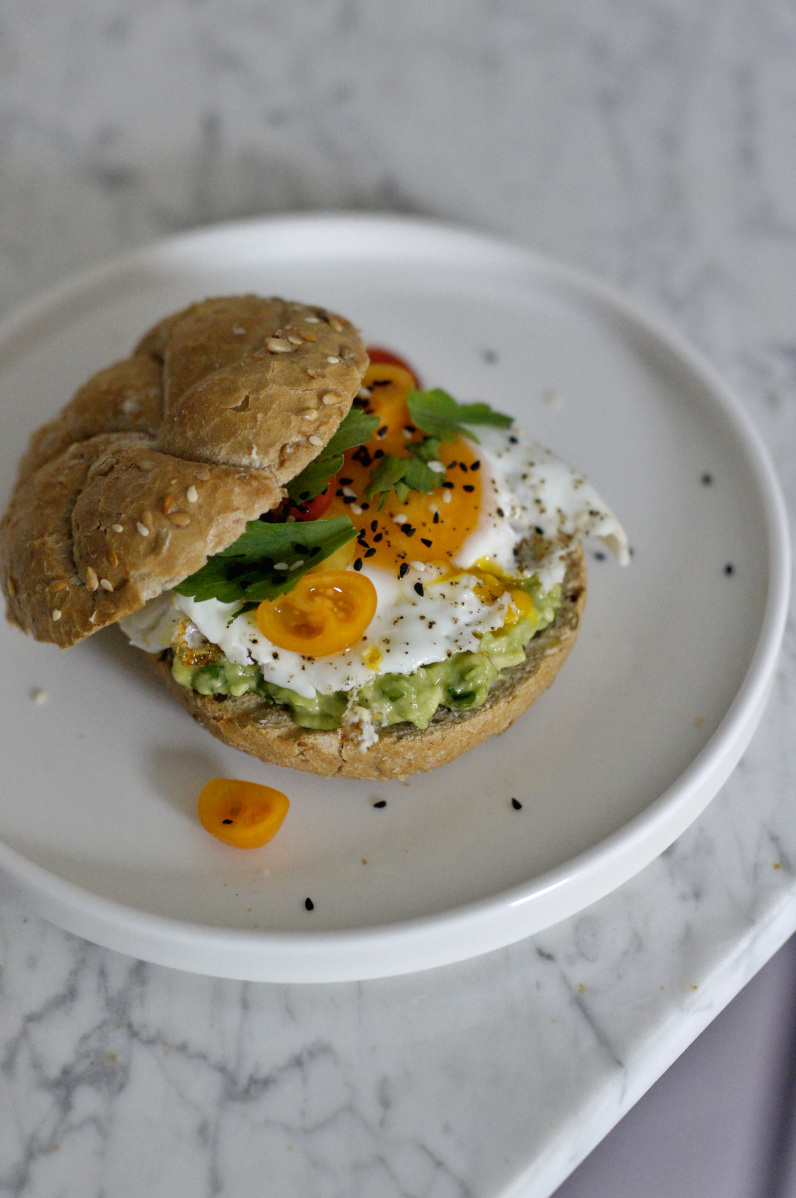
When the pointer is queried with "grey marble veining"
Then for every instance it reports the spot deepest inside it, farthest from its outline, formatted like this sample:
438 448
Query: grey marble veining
651 143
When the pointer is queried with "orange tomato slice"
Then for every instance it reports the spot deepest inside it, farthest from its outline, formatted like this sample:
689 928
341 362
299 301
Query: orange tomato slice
326 612
243 814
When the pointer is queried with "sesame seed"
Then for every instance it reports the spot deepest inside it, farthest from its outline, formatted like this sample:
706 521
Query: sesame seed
403 569
368 552
419 566
281 566
309 414
336 324
275 346
380 803
447 496
331 398
56 614
181 519
358 564
468 487
419 589
294 340
60 584
312 320
400 518
105 584
426 541
314 439
356 509
516 804
117 527
437 467
305 336
92 582
309 904
313 374
331 358
192 494
297 565
142 528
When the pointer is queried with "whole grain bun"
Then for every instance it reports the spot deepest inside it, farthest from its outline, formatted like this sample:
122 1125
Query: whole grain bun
256 726
159 460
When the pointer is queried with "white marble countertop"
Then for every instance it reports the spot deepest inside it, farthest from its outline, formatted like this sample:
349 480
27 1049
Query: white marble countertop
653 144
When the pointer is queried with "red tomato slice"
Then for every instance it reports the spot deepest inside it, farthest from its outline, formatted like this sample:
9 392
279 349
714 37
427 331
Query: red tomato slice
378 355
317 506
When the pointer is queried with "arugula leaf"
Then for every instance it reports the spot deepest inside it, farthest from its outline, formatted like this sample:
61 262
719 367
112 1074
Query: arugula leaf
405 474
438 413
355 428
263 562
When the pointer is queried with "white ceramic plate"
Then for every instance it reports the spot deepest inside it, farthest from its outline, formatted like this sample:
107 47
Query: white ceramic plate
650 715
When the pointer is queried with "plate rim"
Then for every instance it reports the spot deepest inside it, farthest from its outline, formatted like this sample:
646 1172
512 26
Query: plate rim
359 953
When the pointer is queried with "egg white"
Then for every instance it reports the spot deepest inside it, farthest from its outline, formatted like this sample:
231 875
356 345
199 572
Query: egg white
526 491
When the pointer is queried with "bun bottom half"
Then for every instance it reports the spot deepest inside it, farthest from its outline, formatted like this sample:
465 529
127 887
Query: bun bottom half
269 733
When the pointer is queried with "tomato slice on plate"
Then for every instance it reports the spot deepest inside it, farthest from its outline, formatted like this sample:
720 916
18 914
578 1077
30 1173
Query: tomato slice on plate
245 815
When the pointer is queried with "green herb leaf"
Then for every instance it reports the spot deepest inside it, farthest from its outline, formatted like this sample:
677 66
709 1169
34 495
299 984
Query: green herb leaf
439 414
263 562
355 428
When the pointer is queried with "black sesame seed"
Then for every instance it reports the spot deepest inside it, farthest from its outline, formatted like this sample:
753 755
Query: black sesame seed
403 569
408 530
369 552
226 821
490 356
476 465
448 485
309 904
345 482
707 479
358 565
378 537
729 568
425 541
463 466
599 556
514 440
380 803
500 511
374 524
419 589
516 804
468 487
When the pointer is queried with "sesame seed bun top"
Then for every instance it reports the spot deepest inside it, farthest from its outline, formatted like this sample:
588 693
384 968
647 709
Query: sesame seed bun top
159 460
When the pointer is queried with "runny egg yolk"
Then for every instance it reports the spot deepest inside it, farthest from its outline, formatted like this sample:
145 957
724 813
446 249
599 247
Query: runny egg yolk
425 526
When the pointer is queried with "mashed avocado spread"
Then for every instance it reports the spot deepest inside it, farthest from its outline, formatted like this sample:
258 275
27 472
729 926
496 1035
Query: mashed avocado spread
461 682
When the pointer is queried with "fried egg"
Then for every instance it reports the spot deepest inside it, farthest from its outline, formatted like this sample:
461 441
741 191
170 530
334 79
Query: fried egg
447 565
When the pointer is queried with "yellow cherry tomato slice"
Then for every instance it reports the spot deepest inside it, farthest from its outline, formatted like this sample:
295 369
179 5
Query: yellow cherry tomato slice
243 814
326 612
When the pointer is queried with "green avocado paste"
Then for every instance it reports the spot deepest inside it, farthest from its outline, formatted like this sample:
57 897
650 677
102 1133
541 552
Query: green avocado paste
461 682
